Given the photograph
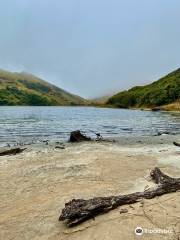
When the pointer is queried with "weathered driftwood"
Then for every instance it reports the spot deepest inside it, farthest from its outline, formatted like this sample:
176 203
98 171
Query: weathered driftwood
176 144
59 147
77 136
13 151
79 210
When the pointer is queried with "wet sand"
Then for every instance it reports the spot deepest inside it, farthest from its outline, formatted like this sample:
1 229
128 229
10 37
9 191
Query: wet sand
35 185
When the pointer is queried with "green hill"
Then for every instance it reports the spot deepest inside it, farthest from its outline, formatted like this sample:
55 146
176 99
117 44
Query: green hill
26 89
162 92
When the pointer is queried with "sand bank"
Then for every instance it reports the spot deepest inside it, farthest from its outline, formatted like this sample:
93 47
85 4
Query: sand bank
36 184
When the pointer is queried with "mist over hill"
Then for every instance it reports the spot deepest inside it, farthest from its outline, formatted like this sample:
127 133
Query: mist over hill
26 89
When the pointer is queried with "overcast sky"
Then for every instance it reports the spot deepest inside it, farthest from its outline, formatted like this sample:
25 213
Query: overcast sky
91 47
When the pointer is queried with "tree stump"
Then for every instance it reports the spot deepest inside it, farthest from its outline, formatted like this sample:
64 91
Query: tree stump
77 136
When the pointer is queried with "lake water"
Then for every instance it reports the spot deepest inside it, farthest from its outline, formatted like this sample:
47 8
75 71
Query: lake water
27 124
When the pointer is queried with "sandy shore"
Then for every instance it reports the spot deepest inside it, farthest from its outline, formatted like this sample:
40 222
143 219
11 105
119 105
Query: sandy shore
35 185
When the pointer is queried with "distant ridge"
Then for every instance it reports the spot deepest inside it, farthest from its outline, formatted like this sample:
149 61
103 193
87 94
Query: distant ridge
26 89
165 91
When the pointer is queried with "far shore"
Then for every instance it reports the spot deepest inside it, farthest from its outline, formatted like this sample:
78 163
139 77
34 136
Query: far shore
172 107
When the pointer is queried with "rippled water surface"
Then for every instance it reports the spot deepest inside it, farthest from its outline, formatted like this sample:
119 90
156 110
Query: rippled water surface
27 124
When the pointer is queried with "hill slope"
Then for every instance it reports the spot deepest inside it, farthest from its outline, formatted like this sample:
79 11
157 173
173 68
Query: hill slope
26 89
162 92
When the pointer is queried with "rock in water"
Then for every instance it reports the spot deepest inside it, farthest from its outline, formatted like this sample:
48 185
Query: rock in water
77 136
156 109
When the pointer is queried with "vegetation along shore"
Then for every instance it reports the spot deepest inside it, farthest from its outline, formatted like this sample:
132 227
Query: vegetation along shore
164 94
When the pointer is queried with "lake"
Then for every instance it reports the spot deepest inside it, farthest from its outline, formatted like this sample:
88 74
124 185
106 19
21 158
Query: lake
33 124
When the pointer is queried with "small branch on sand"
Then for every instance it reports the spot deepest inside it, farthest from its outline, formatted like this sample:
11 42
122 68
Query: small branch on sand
13 151
80 210
176 144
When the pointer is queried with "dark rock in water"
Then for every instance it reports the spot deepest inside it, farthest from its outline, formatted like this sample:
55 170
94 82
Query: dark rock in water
98 134
77 136
166 133
163 133
98 137
46 142
12 151
156 109
157 134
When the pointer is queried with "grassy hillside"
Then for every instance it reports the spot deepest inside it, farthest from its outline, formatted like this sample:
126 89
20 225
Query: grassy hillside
27 89
162 92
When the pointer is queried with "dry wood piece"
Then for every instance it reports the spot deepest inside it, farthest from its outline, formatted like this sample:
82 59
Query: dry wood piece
13 151
79 210
176 144
59 147
77 136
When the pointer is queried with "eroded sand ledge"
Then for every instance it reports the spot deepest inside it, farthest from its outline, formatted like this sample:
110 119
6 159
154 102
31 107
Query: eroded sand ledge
36 184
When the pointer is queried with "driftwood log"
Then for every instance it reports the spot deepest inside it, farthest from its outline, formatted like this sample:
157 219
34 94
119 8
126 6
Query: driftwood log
13 151
80 210
176 144
77 136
